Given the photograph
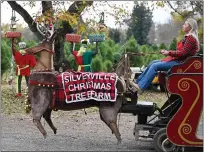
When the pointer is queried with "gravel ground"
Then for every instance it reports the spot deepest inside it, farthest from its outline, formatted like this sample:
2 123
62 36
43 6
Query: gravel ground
76 132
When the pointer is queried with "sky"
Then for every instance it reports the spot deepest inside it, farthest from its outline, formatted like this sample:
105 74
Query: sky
161 15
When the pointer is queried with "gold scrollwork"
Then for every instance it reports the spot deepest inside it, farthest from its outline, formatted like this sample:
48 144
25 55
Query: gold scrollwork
186 128
179 71
183 85
197 64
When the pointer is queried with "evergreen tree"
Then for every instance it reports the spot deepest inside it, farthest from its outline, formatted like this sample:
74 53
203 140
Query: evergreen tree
116 58
67 50
173 44
97 65
114 34
133 47
109 54
155 47
162 46
5 55
72 62
140 23
144 49
109 65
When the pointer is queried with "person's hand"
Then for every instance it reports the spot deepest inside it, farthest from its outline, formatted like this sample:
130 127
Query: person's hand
164 52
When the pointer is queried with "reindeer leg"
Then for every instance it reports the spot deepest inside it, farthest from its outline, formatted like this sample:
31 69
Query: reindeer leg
109 116
40 99
115 129
106 123
47 117
40 127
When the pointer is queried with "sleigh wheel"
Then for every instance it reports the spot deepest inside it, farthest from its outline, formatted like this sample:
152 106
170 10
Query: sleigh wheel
73 38
159 137
12 34
162 143
168 146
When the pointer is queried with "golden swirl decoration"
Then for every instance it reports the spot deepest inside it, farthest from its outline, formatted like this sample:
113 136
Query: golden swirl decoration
186 129
197 64
183 85
179 71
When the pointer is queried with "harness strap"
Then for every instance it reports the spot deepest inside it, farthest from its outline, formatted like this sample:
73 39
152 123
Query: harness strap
44 84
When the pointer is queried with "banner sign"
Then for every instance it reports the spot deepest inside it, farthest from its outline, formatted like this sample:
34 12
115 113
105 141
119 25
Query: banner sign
81 86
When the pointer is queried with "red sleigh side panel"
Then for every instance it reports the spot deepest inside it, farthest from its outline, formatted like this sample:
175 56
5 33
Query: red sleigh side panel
182 128
191 65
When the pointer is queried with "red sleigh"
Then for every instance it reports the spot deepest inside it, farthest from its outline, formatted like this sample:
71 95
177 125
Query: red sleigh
177 124
186 80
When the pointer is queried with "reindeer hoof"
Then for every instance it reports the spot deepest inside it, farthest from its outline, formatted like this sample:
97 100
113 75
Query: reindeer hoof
119 141
45 135
55 131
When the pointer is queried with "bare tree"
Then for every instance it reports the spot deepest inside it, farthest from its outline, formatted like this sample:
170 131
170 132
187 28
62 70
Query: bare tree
194 7
152 34
165 33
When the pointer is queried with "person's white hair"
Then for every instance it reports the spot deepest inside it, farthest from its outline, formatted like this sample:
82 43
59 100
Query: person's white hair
22 45
194 30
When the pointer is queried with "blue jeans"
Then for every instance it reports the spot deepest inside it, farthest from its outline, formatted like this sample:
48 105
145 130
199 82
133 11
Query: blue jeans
145 79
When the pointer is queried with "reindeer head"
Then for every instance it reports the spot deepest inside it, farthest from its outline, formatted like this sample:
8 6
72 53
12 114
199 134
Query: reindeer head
123 67
48 31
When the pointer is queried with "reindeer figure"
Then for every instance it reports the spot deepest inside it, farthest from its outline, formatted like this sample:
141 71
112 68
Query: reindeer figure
42 86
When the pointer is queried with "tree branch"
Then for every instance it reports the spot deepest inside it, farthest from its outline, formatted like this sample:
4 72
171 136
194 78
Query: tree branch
199 5
26 16
46 6
174 8
20 10
78 6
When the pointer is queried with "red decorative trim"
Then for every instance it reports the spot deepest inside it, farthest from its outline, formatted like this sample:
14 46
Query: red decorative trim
43 70
41 84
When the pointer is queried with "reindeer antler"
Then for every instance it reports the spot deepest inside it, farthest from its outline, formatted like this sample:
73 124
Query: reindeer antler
41 28
47 30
